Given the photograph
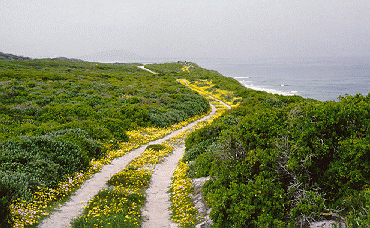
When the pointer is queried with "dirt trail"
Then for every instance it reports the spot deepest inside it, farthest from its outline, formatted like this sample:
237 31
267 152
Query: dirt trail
74 207
143 68
156 210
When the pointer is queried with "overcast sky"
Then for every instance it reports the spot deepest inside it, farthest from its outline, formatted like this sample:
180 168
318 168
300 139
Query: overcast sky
189 29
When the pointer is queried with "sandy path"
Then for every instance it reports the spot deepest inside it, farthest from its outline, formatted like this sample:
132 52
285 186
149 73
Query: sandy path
74 207
156 210
143 68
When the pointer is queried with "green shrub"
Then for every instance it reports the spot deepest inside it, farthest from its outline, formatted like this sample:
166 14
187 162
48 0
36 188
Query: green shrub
43 161
89 147
117 128
136 115
196 150
309 207
357 207
133 100
277 161
6 195
168 118
47 158
202 165
93 127
208 132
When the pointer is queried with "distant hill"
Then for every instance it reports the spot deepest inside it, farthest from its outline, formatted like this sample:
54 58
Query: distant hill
13 57
65 59
112 56
105 56
17 57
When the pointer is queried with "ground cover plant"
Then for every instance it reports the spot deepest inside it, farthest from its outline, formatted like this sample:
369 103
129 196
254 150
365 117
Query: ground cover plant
76 111
183 211
204 81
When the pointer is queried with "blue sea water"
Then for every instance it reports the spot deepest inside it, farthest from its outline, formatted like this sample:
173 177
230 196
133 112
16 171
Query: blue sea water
318 78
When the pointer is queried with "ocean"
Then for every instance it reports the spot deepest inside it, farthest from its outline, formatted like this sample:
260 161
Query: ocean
318 78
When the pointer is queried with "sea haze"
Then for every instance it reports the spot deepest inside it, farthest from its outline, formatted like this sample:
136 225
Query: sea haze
318 78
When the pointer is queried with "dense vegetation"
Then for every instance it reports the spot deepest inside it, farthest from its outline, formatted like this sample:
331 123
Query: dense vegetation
57 115
277 161
274 161
285 161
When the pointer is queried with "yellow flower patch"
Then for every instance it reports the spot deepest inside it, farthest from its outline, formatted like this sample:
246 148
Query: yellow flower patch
150 157
183 210
186 69
29 213
203 87
130 183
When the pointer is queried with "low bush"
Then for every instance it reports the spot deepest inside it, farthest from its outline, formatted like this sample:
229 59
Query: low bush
156 147
47 158
89 147
202 165
28 163
197 149
7 192
117 128
135 116
278 162
93 127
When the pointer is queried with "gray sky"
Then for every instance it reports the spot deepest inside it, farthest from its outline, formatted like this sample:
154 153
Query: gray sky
194 29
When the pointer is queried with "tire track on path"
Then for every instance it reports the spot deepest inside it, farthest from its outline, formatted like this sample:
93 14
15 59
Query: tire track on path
156 210
73 208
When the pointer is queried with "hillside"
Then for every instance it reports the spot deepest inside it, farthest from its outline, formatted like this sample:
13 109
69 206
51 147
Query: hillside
271 160
12 57
58 115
